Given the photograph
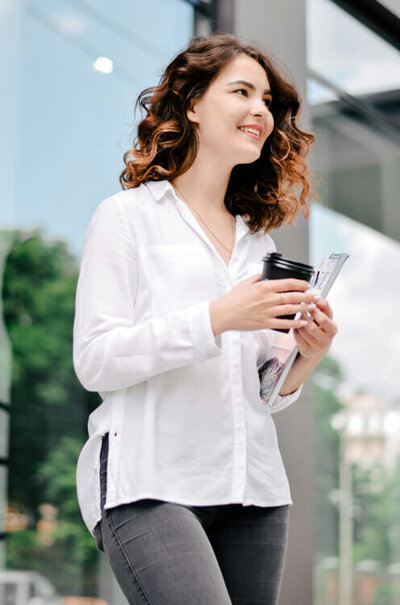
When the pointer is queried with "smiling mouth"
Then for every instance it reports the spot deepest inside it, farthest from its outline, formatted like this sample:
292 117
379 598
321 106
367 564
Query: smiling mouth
251 134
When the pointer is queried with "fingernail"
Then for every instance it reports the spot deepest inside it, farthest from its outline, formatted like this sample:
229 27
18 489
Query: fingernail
312 306
315 293
303 323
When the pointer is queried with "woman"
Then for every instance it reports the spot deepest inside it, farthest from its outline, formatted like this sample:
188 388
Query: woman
181 480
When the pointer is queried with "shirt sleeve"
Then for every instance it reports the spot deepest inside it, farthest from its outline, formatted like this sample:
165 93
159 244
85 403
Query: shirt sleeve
283 401
111 349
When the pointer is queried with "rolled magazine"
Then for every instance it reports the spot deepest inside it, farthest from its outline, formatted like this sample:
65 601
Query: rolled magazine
274 370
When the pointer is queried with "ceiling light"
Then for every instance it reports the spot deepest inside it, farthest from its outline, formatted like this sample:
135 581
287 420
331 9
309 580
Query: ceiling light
104 64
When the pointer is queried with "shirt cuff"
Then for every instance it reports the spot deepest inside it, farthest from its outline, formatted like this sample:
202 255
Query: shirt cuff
283 401
206 343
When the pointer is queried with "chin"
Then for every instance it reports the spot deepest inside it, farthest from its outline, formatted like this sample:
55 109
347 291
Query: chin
249 158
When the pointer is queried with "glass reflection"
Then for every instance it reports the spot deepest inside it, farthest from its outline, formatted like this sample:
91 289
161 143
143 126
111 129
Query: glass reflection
357 419
347 52
65 126
356 390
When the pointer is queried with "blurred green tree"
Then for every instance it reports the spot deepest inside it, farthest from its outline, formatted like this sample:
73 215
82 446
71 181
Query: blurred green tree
49 407
327 378
376 495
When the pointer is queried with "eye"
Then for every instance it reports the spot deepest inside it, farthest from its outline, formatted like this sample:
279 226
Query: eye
267 101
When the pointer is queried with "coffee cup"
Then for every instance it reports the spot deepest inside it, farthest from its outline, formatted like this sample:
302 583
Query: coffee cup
277 267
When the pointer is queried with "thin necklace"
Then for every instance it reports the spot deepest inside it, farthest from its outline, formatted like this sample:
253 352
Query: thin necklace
208 228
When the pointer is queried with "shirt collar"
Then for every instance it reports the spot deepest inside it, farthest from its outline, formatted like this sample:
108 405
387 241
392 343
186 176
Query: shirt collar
160 188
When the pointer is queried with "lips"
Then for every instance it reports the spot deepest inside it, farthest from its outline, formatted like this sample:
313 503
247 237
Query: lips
250 134
254 127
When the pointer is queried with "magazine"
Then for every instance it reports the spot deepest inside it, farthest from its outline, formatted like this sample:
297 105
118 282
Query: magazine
274 370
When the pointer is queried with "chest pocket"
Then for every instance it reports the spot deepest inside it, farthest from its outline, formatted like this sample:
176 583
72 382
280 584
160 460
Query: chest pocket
177 276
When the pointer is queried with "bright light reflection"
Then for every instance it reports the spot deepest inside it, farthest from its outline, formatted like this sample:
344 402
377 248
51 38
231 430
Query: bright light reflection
391 422
104 64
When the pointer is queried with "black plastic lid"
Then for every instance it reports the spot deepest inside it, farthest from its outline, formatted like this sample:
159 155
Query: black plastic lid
276 259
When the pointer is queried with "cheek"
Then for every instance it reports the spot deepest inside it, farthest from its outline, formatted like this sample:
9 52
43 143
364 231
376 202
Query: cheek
214 130
270 123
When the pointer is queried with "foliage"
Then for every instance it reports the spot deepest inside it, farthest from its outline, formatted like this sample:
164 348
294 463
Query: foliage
327 378
49 407
376 492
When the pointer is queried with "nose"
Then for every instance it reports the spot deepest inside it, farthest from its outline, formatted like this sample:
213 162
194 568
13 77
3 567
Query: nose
259 109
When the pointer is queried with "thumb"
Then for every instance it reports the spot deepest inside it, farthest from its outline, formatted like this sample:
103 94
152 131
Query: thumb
254 278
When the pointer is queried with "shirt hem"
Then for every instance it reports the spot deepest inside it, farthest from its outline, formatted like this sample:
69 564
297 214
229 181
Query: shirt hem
201 502
184 502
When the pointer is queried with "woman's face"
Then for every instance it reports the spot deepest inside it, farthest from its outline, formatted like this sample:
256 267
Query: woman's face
226 107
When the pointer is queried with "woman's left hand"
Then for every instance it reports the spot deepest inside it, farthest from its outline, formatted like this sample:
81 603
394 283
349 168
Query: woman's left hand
316 337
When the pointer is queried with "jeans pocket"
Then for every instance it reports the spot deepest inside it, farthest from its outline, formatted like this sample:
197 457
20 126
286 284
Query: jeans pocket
99 537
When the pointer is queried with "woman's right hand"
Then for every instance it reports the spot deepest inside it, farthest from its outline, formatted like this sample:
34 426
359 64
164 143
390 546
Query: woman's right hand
254 305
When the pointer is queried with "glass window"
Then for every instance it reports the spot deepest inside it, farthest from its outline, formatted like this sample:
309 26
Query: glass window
357 414
348 53
73 70
357 386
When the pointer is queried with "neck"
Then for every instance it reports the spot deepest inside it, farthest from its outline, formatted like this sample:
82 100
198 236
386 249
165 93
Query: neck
204 186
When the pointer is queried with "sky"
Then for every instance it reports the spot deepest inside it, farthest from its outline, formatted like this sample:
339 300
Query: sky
364 300
65 127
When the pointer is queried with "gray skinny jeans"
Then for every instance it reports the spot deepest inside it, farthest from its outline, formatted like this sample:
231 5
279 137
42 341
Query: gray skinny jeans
164 553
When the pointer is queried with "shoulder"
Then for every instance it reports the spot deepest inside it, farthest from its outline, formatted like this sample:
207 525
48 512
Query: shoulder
124 201
129 206
118 218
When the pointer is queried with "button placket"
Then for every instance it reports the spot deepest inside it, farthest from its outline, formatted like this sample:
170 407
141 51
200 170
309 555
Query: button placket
239 423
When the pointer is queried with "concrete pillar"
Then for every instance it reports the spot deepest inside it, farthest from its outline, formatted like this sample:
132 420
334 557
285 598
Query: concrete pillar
279 29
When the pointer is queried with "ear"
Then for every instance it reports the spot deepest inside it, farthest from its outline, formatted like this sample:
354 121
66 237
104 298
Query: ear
191 111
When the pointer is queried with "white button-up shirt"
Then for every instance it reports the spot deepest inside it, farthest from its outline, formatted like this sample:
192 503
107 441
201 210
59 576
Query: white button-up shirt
181 405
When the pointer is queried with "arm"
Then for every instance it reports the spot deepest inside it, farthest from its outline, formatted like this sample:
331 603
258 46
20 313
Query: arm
298 373
111 349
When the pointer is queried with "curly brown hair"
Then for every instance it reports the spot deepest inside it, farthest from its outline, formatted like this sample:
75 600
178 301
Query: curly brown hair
166 144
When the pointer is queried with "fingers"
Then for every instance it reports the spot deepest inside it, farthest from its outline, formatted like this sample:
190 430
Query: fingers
320 324
325 307
322 315
292 309
294 290
311 333
291 298
304 346
287 324
290 284
285 285
296 297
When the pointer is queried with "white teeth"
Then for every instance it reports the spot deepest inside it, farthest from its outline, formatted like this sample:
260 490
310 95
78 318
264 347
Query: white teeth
253 130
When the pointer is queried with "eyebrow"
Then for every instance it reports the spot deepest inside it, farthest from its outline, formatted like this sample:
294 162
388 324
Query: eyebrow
249 85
